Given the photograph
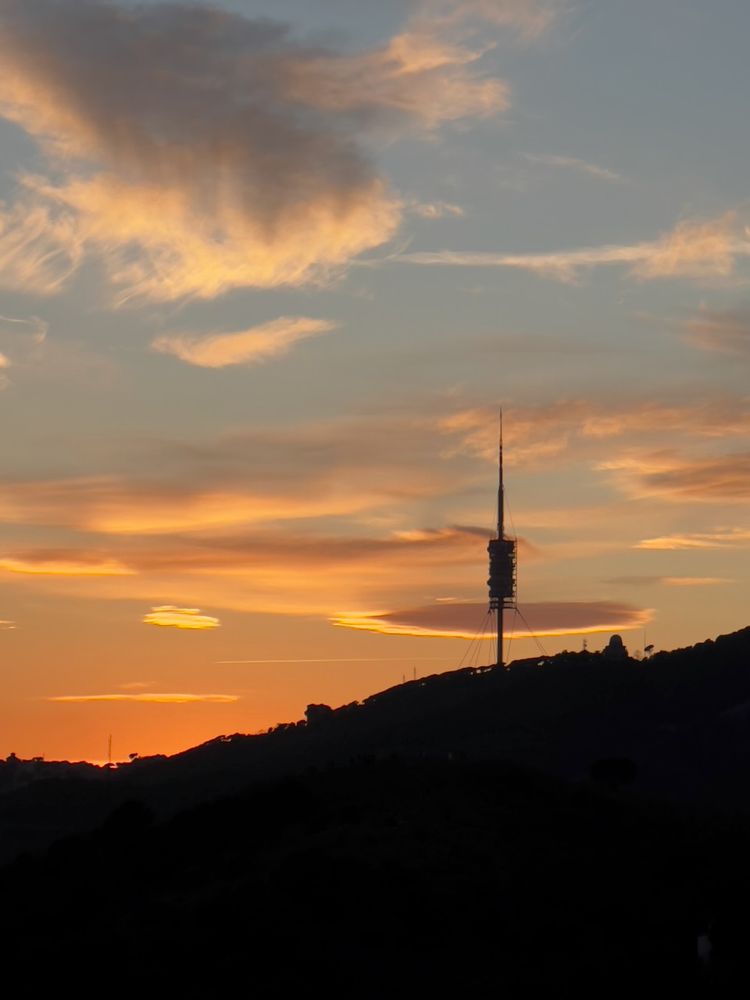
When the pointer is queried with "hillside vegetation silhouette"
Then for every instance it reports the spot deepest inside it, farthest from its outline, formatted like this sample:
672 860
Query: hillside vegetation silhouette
570 821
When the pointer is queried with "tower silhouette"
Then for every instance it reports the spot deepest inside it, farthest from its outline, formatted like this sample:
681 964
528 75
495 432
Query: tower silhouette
502 557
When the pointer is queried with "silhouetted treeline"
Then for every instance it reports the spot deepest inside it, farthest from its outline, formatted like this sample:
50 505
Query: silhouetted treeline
681 718
387 878
573 821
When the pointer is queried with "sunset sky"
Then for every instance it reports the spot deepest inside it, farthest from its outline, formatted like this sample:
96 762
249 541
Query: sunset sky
267 272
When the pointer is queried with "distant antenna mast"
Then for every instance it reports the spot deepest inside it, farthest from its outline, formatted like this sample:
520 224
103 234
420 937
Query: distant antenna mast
502 553
109 749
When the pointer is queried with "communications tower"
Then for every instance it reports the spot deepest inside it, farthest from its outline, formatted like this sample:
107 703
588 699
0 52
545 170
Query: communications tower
502 553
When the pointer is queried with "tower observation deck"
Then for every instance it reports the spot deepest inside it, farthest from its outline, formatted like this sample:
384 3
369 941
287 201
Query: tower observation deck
502 557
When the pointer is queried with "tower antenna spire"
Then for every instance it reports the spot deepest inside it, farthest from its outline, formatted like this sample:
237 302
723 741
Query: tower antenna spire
500 487
502 555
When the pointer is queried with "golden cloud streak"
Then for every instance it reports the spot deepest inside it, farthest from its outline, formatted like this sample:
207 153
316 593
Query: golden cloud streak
109 505
151 698
257 344
693 249
725 538
169 616
536 435
62 567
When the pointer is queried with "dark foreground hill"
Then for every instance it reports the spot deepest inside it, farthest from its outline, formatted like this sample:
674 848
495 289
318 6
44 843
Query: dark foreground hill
681 719
386 878
569 822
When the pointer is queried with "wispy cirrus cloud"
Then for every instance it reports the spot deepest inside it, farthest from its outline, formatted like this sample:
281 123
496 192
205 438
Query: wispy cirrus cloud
724 330
252 346
152 698
169 616
467 621
331 570
117 506
541 433
6 626
530 17
705 479
694 249
574 164
20 338
327 469
435 209
721 538
193 150
56 562
668 581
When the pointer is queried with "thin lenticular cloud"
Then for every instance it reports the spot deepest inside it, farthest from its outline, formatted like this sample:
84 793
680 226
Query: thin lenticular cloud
467 621
251 346
693 249
169 616
195 150
150 699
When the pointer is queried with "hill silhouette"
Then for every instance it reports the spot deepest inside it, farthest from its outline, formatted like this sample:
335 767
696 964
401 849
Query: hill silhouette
571 821
680 718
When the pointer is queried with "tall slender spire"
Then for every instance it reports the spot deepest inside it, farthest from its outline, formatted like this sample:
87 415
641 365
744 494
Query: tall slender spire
502 553
500 487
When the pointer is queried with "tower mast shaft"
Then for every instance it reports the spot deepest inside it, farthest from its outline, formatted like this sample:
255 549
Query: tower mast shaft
500 534
500 487
502 558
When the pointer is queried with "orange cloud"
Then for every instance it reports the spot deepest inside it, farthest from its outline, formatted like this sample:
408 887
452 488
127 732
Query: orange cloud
259 343
326 470
669 581
168 616
196 150
58 564
465 621
693 249
727 331
109 505
538 434
289 573
721 539
419 76
150 699
721 478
